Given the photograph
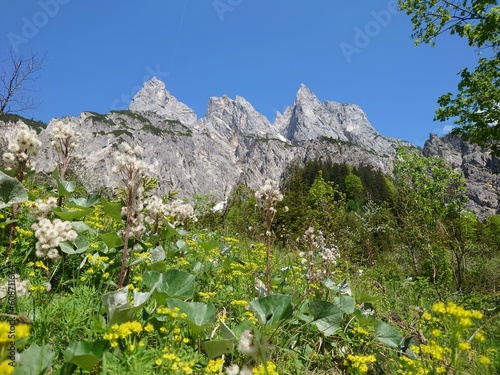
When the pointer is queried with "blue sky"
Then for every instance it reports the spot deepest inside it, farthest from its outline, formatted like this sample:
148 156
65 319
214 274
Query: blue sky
99 53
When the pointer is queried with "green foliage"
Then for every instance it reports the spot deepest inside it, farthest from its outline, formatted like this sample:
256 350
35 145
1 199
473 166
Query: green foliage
326 204
11 191
36 360
84 355
354 192
430 201
343 297
475 107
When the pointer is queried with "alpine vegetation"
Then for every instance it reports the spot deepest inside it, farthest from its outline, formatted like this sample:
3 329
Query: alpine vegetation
65 142
337 269
22 150
131 170
267 197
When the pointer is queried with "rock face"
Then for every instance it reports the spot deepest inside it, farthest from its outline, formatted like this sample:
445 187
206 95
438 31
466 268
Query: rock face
233 143
154 98
481 171
310 119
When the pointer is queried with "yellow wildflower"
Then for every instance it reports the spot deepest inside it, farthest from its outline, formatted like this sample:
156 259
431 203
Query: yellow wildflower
214 366
484 360
464 345
6 368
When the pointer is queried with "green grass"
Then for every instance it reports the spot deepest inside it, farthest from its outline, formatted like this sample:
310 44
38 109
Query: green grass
197 295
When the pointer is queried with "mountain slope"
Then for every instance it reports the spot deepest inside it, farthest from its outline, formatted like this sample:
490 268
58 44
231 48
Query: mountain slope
231 144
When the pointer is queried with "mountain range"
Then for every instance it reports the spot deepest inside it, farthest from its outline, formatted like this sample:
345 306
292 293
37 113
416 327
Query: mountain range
233 144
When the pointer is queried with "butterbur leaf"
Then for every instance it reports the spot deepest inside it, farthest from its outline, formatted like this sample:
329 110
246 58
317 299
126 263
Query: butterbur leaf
91 200
388 335
157 254
170 284
216 348
208 245
117 307
406 342
198 315
140 298
226 332
345 303
112 240
81 244
326 316
71 215
171 231
11 191
112 210
36 360
64 187
83 354
81 227
272 309
182 245
68 369
342 288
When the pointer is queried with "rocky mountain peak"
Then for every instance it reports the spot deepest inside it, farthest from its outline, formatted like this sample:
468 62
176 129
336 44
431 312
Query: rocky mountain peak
154 97
306 96
230 117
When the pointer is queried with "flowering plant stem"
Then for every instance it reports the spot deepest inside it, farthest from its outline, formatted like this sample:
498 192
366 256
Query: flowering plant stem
127 236
15 208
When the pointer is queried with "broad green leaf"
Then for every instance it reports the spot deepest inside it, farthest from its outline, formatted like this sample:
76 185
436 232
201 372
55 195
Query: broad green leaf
171 231
71 215
157 254
112 240
36 360
113 210
345 303
81 244
81 227
117 307
326 316
216 348
198 315
91 200
83 354
226 332
140 298
388 335
272 309
68 369
11 191
182 245
171 284
64 187
209 245
159 266
405 344
342 288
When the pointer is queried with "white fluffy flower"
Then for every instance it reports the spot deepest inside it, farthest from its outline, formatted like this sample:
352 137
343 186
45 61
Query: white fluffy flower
247 345
43 209
50 234
245 370
268 195
180 212
22 147
21 286
232 370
